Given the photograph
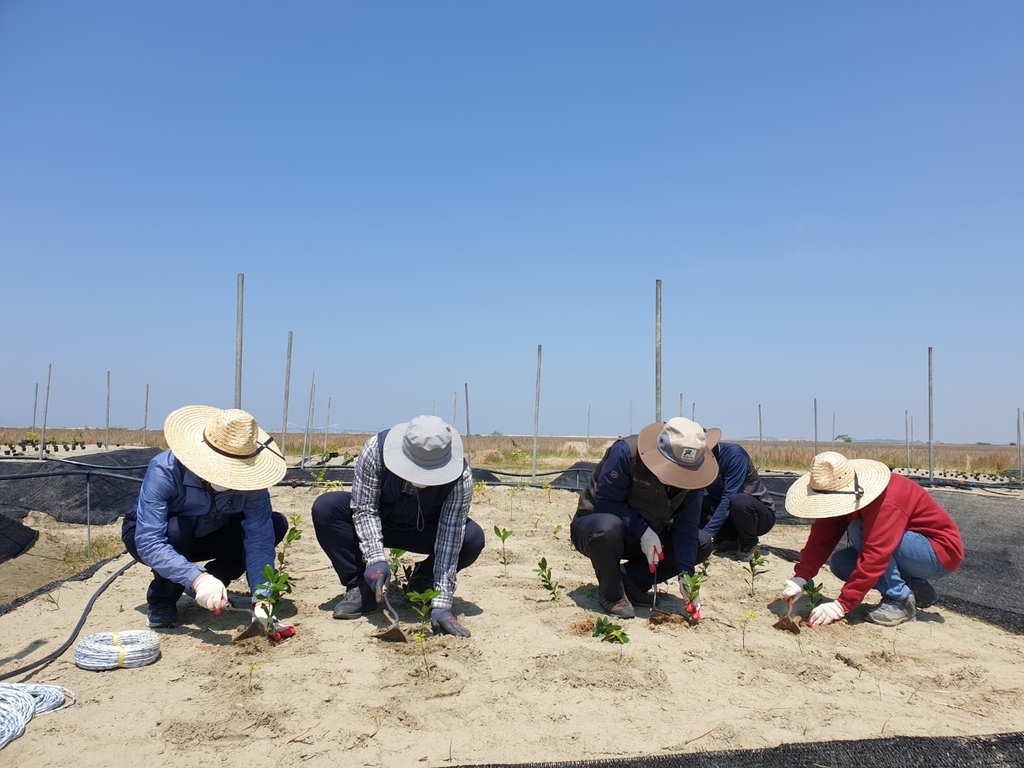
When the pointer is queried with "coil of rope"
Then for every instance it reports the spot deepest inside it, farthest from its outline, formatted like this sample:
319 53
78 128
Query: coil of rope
20 702
113 650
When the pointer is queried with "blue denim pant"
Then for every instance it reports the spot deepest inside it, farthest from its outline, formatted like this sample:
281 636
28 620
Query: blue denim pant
913 559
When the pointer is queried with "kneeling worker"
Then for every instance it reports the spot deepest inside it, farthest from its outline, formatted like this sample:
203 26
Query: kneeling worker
900 538
642 504
206 499
412 490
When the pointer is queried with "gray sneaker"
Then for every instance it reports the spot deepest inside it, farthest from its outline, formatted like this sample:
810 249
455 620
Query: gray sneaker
925 595
894 612
356 602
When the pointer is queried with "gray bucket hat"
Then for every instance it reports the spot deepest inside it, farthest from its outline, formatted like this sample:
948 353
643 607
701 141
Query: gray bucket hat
425 451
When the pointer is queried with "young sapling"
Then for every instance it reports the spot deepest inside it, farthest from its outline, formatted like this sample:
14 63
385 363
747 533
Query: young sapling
690 588
503 534
610 633
276 584
813 591
748 616
545 578
421 602
293 535
253 666
755 567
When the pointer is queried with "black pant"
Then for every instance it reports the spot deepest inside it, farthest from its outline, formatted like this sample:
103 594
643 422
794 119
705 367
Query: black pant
748 519
336 534
603 538
224 548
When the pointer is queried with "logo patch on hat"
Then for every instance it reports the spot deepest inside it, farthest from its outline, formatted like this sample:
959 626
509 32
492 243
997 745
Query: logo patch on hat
689 454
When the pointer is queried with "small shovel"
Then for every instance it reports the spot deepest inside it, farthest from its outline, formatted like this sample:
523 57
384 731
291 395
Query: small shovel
786 623
392 634
255 628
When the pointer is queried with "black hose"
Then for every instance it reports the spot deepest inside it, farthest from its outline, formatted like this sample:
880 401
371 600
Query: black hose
78 627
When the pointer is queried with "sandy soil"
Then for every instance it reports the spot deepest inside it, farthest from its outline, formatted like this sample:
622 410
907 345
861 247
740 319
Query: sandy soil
529 685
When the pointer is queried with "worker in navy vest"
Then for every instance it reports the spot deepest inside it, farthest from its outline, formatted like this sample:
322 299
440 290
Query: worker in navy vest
411 491
737 508
206 499
642 505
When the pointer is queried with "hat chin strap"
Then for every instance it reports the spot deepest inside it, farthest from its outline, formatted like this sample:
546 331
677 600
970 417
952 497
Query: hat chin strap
240 457
857 491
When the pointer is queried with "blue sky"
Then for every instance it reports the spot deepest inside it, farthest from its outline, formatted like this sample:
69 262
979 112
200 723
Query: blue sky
424 192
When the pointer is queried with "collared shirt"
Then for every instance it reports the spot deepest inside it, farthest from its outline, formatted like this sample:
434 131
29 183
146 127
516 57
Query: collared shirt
734 467
451 529
169 490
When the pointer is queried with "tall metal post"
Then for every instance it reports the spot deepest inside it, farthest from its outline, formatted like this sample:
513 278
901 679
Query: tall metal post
88 517
46 408
106 444
680 405
1020 466
931 423
287 387
536 417
145 418
327 429
760 435
587 458
469 444
693 411
657 351
815 426
309 419
238 341
35 404
906 428
912 442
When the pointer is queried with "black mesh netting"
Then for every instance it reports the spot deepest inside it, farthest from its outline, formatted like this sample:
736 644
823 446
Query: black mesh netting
900 752
15 538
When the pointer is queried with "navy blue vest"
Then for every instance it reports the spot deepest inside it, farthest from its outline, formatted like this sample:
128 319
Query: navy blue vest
401 509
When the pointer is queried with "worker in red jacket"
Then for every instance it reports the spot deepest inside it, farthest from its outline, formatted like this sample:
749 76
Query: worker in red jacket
899 538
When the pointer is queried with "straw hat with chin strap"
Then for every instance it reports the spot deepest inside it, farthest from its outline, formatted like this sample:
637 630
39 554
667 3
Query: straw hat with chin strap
678 452
836 486
224 447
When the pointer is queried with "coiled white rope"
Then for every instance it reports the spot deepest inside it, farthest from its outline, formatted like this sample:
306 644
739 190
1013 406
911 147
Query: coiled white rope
20 702
113 650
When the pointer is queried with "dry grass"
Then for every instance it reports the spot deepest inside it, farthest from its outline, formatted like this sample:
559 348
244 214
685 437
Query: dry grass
76 558
512 453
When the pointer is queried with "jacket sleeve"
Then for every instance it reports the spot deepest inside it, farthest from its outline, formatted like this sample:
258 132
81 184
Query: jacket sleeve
883 532
825 534
158 488
733 469
259 538
613 486
451 532
685 526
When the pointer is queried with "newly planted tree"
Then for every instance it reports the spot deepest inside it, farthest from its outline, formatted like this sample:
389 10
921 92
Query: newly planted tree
689 586
421 602
748 616
814 592
293 535
401 571
544 571
503 534
755 567
275 586
610 633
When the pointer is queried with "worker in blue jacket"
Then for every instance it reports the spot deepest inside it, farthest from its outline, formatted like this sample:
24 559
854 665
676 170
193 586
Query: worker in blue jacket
206 499
737 508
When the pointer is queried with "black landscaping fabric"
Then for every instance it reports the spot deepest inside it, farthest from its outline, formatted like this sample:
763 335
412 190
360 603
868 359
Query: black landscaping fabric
899 752
15 538
63 496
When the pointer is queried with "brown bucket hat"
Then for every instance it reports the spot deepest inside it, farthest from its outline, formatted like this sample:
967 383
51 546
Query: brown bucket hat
678 452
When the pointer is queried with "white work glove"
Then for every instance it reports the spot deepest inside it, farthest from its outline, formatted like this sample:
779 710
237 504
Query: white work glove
692 606
793 587
262 613
826 613
650 543
211 593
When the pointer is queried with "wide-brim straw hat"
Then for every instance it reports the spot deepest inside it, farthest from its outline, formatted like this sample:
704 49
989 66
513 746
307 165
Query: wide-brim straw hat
224 447
836 486
425 450
678 452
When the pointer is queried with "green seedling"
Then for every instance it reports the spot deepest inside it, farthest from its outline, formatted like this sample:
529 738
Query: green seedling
748 616
547 490
293 535
511 494
755 567
53 599
276 584
421 603
813 591
690 588
544 571
480 489
558 530
608 632
535 523
503 534
401 571
253 666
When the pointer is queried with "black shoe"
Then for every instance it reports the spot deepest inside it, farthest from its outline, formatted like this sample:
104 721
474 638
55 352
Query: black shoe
726 545
162 616
636 593
925 595
356 602
745 550
421 579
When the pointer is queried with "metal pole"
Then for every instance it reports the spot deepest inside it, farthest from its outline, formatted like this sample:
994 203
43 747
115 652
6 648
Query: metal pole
815 426
469 445
912 441
588 434
1020 466
536 416
238 342
88 518
327 429
680 405
433 405
46 408
931 423
309 416
287 387
35 404
833 430
107 438
693 411
906 428
145 418
760 435
657 351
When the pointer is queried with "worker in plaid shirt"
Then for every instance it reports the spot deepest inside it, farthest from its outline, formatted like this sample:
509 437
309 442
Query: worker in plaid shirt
412 490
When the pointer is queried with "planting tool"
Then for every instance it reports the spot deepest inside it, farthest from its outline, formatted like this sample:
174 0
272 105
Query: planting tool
392 634
256 627
786 623
656 615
